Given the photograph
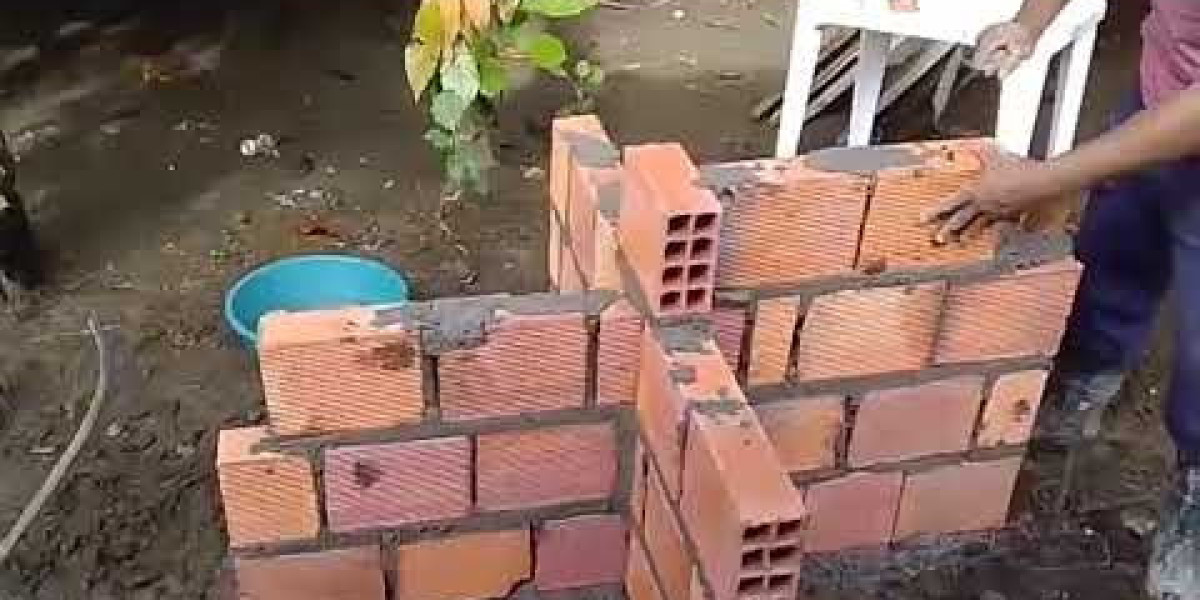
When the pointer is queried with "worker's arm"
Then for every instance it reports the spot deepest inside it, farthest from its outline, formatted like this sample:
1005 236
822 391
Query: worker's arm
1164 133
1037 15
1002 47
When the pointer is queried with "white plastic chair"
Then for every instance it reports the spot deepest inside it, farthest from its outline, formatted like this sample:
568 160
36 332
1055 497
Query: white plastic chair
956 22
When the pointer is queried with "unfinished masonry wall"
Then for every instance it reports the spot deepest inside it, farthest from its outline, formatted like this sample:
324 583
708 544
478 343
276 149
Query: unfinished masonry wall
745 365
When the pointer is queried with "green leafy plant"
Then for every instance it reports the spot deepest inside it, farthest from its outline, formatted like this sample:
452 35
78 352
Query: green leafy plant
464 55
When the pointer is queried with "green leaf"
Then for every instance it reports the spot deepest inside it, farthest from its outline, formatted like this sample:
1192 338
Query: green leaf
420 64
439 139
546 52
460 74
429 28
557 8
493 77
447 109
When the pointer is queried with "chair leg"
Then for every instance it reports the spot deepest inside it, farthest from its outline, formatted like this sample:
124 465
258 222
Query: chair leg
1073 73
1020 99
868 82
802 67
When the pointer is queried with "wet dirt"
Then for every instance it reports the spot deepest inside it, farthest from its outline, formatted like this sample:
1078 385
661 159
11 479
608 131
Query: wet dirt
132 170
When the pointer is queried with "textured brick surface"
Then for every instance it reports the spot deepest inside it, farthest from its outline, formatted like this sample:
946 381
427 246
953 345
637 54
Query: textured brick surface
1011 409
806 432
771 344
868 332
389 485
1013 316
640 582
637 488
466 567
795 225
581 551
526 469
582 220
729 330
331 371
738 503
956 498
499 379
858 510
664 541
267 497
893 236
607 273
349 574
579 140
619 354
906 423
554 250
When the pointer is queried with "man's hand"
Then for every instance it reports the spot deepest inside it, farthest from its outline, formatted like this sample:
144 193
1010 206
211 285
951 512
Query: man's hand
1010 186
1003 47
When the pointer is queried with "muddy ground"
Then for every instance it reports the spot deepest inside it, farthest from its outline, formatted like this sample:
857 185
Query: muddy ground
148 210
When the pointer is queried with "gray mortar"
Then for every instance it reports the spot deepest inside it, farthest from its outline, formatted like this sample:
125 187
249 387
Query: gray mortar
608 200
686 336
863 160
592 150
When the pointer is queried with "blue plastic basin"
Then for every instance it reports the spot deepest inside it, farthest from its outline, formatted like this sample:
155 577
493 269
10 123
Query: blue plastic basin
309 282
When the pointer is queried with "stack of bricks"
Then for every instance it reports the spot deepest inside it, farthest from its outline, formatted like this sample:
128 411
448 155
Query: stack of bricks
446 450
744 365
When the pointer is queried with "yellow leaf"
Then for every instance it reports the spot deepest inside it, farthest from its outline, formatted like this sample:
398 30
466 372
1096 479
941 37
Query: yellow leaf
420 64
479 13
451 22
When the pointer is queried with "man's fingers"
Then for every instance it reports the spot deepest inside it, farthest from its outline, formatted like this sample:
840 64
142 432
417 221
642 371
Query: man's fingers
1009 63
957 222
946 208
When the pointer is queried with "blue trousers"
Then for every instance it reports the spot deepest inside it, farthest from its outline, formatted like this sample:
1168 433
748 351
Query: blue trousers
1140 238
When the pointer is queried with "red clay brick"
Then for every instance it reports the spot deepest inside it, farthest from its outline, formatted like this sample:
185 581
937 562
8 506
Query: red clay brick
771 346
466 567
1009 317
349 574
807 432
527 469
664 541
1011 409
499 379
333 370
738 502
554 251
580 552
640 582
637 489
268 497
576 140
957 498
607 274
571 277
589 186
906 423
858 510
796 224
893 236
618 354
390 485
729 330
669 230
868 332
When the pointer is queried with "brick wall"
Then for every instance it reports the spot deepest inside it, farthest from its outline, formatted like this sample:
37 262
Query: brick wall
744 365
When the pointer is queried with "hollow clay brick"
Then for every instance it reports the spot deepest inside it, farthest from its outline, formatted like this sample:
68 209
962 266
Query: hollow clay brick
498 378
554 251
1011 409
334 370
1009 317
665 543
793 224
640 581
589 186
957 498
893 236
858 510
268 497
581 551
637 489
619 354
396 484
771 345
607 273
347 574
578 140
465 567
729 330
806 432
527 469
906 423
869 332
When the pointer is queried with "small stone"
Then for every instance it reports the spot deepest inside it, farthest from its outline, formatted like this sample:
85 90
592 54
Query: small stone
389 184
678 14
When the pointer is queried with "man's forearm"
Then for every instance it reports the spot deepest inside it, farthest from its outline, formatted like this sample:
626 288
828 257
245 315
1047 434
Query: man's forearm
1038 14
1167 132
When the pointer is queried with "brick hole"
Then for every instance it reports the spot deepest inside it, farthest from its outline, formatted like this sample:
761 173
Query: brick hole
673 277
754 559
757 533
705 224
676 251
702 249
783 554
679 225
790 528
781 581
751 585
698 274
671 301
696 298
